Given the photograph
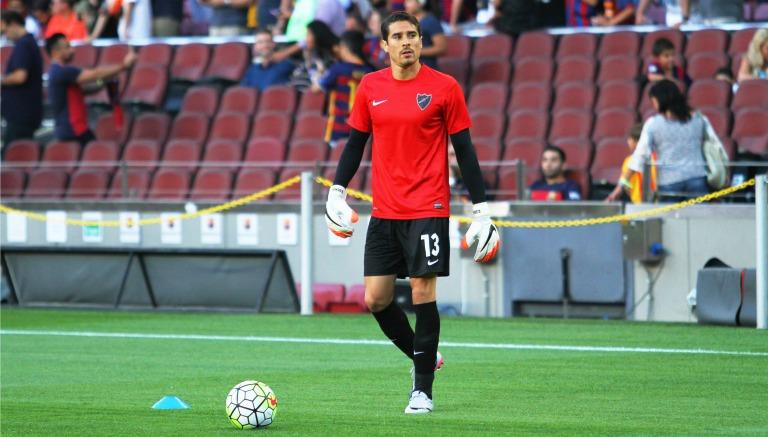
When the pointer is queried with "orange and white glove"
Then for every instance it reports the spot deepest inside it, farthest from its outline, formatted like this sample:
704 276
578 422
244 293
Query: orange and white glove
338 215
484 232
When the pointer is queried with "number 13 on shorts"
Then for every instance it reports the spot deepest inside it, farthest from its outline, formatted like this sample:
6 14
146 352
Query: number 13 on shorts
431 245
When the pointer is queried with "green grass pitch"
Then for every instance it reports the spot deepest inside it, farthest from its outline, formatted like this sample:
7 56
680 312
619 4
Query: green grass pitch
66 385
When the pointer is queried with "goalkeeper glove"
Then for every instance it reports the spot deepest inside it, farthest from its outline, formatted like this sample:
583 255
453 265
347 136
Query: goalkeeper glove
484 232
338 215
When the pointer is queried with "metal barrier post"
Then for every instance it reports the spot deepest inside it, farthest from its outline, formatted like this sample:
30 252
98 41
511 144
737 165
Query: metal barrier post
307 243
519 165
761 219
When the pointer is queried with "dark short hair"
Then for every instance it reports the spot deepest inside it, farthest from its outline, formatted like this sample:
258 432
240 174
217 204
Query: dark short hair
661 45
42 5
52 41
671 99
261 30
394 18
725 71
635 131
12 17
550 148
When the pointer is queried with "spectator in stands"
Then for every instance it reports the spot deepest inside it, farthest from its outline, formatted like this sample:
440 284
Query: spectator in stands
754 64
22 83
633 187
713 12
553 185
264 72
64 21
616 12
432 38
372 48
136 21
30 23
579 13
663 65
65 88
88 12
514 17
300 15
676 135
166 17
230 17
41 10
107 21
340 82
320 48
267 13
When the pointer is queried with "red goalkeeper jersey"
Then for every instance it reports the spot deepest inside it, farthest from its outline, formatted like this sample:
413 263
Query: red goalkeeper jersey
410 121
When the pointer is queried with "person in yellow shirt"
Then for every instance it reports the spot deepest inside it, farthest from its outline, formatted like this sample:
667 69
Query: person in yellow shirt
634 185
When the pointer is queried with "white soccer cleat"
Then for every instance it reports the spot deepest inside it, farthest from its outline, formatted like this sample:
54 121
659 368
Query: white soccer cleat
420 403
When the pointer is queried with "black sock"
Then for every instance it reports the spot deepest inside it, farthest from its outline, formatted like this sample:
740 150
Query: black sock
396 327
425 345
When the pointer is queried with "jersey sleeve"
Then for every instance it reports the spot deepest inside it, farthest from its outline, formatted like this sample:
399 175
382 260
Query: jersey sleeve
360 118
328 81
456 113
431 25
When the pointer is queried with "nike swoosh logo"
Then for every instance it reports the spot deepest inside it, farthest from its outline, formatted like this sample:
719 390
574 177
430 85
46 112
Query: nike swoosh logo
433 262
418 353
379 102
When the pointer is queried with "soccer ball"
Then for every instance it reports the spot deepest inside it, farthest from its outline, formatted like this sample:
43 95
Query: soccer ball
251 404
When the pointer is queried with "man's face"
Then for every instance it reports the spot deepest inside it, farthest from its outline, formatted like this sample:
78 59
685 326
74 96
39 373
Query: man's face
551 164
403 44
263 45
18 6
63 52
412 6
667 59
12 32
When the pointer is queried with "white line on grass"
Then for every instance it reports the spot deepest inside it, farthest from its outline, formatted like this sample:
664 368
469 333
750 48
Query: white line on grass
449 344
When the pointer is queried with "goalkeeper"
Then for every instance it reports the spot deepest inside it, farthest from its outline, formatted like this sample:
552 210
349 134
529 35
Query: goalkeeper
410 109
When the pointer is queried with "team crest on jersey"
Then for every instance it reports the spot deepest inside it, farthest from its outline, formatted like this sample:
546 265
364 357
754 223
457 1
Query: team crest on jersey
423 100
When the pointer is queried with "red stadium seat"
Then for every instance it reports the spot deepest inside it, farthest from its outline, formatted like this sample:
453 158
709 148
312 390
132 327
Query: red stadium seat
709 93
85 56
240 99
613 123
706 41
46 183
278 98
113 54
508 183
357 182
222 154
136 184
527 124
147 86
107 130
24 152
311 102
751 94
151 126
570 124
192 127
272 125
229 62
354 301
533 70
749 130
495 46
740 40
201 99
578 152
487 149
574 95
169 184
230 126
609 157
142 154
487 124
618 94
251 180
581 177
528 151
575 69
457 69
618 68
622 43
534 44
704 65
577 44
674 35
491 70
323 295
488 96
310 127
100 155
12 183
62 155
181 153
459 48
720 118
155 54
265 149
189 62
211 185
530 95
88 184
307 152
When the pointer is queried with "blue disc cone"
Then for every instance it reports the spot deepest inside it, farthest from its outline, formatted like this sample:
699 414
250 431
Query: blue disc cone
170 403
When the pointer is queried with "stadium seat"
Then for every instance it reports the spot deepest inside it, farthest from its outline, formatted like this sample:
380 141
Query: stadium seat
491 70
740 40
507 189
181 153
487 149
751 94
265 149
12 183
46 183
578 152
193 127
24 152
100 155
709 93
457 69
488 96
61 155
706 41
151 126
189 62
720 118
228 62
526 150
609 157
618 94
136 184
613 123
310 127
487 124
533 70
618 67
570 123
251 180
278 98
88 184
107 130
222 154
155 54
621 43
230 126
85 56
311 102
459 48
201 99
574 95
534 44
324 294
213 185
749 130
147 86
530 95
240 99
581 177
494 46
303 155
735 64
674 35
113 54
704 65
577 44
357 182
528 125
575 69
142 154
169 184
354 301
272 125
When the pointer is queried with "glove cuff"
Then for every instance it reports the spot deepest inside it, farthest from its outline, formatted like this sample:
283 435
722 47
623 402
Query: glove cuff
337 192
481 210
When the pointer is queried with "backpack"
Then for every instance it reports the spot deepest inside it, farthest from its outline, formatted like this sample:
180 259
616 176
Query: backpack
715 157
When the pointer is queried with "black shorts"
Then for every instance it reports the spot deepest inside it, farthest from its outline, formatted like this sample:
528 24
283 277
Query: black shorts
413 248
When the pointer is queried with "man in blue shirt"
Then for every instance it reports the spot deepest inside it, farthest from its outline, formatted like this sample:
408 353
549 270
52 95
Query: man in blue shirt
263 73
553 186
433 39
22 83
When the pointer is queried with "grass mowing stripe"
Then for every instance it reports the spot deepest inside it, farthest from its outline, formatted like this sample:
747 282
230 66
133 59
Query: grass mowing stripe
449 344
